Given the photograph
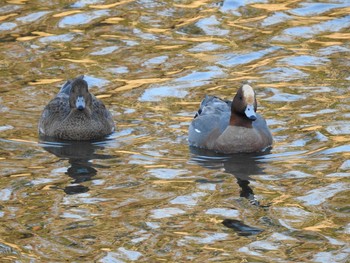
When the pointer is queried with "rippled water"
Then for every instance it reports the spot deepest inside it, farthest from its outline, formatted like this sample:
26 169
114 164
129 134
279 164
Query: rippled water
143 195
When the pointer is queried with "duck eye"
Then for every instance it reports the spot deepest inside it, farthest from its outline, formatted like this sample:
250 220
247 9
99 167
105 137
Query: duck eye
240 97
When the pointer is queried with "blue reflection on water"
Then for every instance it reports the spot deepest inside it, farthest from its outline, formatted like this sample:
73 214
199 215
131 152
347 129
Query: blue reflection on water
309 9
32 17
304 60
178 87
333 25
7 26
276 18
233 59
81 18
58 38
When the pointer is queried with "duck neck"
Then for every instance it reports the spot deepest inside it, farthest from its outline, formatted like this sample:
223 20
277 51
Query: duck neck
237 119
75 113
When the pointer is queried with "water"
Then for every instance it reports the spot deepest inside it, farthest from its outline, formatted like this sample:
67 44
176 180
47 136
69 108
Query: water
143 195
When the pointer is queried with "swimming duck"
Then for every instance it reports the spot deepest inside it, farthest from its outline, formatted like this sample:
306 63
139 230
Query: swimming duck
230 127
76 114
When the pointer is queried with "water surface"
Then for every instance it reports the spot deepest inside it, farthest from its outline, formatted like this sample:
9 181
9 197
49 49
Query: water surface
143 195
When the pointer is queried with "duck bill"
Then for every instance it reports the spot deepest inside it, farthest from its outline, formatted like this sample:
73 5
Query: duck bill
80 103
250 112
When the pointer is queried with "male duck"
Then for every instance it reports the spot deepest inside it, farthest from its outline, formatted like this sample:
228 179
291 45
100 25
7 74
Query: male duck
230 127
76 114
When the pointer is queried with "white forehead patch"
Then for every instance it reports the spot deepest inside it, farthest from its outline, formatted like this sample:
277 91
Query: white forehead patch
248 93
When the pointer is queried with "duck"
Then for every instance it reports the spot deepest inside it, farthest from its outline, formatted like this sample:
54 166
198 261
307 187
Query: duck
75 114
230 127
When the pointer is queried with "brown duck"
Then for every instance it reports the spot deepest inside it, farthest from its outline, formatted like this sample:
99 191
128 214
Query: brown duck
76 114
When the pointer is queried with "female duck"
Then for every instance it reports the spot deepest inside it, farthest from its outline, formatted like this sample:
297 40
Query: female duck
76 114
230 127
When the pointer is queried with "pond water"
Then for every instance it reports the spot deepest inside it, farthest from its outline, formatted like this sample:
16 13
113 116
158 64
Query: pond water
143 195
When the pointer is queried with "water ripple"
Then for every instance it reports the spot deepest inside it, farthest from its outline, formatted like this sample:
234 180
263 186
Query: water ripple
81 18
232 60
312 9
333 25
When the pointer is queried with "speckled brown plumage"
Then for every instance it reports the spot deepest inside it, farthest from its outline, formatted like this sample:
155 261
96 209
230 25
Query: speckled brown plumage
64 118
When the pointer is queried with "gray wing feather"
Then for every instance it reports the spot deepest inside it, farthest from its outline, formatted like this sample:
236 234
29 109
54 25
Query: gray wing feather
212 116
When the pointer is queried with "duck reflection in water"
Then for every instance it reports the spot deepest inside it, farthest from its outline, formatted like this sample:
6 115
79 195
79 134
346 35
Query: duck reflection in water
242 166
79 155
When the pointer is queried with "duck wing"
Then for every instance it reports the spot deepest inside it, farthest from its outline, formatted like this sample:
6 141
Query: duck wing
210 121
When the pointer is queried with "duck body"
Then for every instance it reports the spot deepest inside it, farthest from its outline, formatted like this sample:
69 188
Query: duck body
75 114
230 126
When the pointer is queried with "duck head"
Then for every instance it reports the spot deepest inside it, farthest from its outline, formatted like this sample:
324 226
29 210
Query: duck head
80 98
243 108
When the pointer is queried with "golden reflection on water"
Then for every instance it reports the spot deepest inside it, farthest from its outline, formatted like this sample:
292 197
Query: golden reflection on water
67 13
143 195
113 20
7 16
274 7
135 83
107 6
80 61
